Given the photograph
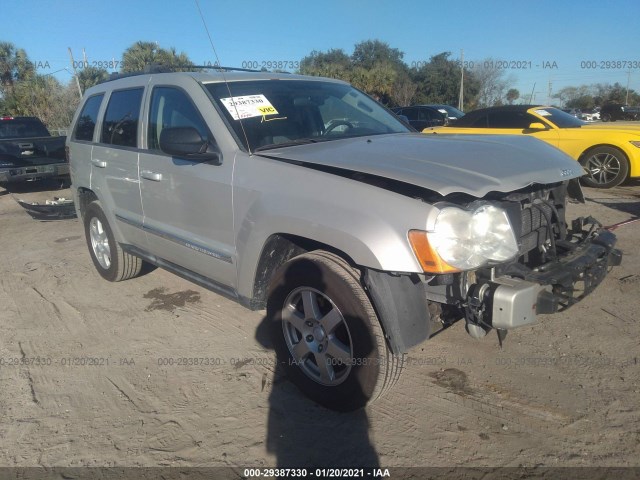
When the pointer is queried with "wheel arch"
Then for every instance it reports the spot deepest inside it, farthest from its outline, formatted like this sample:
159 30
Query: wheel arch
84 196
278 249
399 300
605 145
631 171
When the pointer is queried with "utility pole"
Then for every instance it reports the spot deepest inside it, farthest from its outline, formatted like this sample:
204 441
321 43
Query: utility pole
461 95
73 65
628 78
532 93
549 94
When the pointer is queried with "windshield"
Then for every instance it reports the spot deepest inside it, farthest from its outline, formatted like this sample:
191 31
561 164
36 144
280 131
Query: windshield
558 117
278 113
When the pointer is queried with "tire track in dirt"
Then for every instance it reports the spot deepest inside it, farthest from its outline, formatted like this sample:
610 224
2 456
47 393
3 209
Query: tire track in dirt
471 403
143 402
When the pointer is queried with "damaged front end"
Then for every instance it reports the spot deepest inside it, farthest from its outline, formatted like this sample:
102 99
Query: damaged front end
556 265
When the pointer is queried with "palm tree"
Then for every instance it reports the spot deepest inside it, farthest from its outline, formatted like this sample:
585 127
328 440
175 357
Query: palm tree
145 54
138 55
90 76
14 66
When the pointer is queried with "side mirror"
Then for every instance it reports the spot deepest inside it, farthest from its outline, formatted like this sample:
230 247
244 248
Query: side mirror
536 126
186 142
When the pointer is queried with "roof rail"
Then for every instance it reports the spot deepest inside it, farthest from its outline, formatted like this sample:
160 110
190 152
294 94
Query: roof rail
159 68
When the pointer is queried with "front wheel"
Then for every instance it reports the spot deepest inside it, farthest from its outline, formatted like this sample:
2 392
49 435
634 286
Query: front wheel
326 333
607 167
111 262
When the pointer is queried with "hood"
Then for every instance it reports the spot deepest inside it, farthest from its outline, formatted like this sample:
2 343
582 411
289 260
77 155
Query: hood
607 127
471 164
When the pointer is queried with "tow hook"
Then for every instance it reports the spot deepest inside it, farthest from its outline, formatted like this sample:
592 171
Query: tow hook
476 311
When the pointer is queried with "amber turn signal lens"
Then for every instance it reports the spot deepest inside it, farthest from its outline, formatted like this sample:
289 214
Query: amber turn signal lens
427 256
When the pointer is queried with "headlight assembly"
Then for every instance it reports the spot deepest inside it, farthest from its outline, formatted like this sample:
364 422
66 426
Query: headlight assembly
465 240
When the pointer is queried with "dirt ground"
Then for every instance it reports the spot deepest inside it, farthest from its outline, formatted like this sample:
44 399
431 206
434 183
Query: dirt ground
89 372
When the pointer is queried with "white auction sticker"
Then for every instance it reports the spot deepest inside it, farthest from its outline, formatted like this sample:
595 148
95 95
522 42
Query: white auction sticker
543 113
248 106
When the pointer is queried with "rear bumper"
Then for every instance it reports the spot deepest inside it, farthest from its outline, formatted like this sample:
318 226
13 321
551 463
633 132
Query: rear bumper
515 299
33 173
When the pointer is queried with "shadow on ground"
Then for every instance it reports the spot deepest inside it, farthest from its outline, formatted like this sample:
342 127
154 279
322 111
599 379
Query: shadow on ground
303 434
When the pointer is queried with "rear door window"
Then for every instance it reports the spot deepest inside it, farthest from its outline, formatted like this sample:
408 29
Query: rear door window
410 113
88 118
120 125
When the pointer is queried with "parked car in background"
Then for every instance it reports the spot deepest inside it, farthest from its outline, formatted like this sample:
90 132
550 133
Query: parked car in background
610 155
421 117
452 113
574 112
618 111
28 152
424 116
591 115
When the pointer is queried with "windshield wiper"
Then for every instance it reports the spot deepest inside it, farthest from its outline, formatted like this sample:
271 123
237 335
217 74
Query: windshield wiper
292 143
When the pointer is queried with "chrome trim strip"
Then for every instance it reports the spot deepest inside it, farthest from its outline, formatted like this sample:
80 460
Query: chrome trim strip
128 221
201 280
180 241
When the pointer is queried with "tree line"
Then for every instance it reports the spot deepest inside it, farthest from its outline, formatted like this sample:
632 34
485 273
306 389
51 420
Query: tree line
373 66
25 92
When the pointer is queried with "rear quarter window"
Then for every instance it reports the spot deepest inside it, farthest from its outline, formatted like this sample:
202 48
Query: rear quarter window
22 128
120 125
86 124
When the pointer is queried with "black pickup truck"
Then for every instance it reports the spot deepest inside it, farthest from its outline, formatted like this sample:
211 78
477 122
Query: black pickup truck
28 152
618 111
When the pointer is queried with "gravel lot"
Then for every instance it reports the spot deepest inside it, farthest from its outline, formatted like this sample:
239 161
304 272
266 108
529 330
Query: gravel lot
90 374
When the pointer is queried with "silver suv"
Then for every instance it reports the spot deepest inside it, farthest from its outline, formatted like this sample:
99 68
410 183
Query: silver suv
306 197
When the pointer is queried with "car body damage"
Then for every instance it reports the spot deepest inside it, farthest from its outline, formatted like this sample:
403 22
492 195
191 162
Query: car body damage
306 197
56 209
446 164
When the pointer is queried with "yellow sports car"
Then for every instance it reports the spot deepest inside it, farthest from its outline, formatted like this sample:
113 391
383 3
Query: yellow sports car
610 154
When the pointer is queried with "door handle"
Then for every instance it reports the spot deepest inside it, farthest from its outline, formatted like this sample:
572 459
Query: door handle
99 163
149 175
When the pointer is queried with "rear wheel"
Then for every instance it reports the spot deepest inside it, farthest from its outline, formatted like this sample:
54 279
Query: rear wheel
605 117
607 166
327 334
112 263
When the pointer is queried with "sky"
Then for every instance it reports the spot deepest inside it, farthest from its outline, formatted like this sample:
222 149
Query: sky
547 45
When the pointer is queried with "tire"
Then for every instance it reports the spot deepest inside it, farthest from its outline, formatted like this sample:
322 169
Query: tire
605 117
607 166
111 262
326 333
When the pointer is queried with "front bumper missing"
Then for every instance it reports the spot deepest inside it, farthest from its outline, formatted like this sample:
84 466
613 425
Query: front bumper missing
519 294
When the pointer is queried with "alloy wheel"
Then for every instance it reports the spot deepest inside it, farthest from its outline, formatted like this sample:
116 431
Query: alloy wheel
100 243
317 336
